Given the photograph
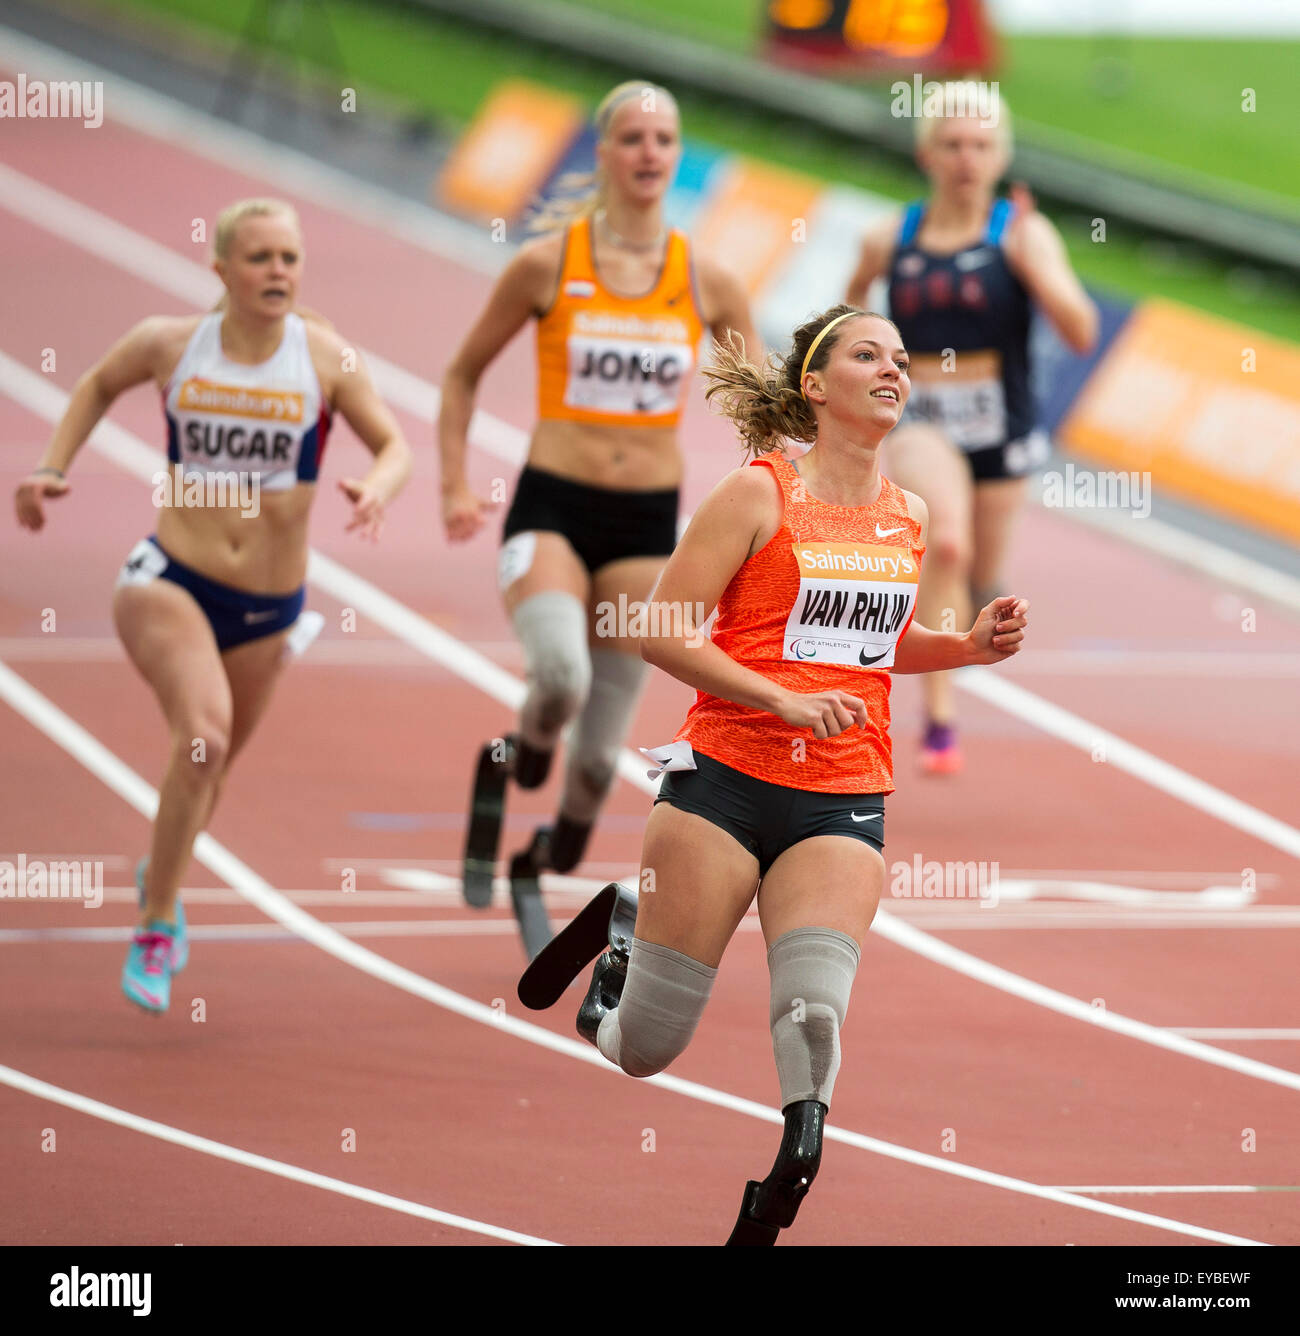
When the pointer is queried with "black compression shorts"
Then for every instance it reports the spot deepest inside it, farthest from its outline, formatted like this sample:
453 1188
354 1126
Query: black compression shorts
602 524
768 818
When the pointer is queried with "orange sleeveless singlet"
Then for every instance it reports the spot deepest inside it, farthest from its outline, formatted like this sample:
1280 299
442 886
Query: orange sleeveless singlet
619 361
820 608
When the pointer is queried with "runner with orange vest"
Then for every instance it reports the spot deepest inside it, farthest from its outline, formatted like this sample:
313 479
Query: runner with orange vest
776 781
621 302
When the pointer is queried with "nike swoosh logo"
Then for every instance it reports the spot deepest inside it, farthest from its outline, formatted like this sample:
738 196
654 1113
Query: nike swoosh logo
866 662
252 618
885 533
870 816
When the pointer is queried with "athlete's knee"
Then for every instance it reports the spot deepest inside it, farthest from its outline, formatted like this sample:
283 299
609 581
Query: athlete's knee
662 1001
812 972
204 741
552 627
949 546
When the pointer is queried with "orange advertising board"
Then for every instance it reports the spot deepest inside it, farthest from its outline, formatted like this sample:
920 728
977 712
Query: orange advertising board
753 217
1211 409
501 162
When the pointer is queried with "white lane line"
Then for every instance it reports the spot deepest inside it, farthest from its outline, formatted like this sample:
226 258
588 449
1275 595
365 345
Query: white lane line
234 148
122 780
1108 892
252 932
143 258
1179 1187
168 121
350 650
486 926
1229 1032
962 962
351 590
935 917
108 1113
1086 736
1155 663
1221 564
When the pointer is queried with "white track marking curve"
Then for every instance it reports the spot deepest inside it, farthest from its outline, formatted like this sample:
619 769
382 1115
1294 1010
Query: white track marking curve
130 453
85 748
108 1113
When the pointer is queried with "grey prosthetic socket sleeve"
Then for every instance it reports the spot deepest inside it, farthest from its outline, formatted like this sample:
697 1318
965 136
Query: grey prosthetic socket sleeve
604 723
812 973
663 999
552 627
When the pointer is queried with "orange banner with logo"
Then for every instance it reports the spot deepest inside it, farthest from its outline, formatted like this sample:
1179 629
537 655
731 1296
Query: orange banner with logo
521 131
754 216
1211 409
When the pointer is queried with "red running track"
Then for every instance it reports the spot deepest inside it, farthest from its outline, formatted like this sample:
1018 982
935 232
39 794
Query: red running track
363 762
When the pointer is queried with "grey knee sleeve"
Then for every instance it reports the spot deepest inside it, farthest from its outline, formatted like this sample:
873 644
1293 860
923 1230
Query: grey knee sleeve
662 1002
812 973
552 627
598 734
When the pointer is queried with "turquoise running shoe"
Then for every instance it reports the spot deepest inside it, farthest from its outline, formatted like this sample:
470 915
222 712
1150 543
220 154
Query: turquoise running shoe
147 975
181 950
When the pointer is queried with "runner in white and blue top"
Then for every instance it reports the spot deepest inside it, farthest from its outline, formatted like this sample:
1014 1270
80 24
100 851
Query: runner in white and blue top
269 420
207 607
964 271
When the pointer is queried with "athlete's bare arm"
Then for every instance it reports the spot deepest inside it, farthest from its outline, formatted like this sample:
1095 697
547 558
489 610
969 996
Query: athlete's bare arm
150 351
525 289
996 634
350 391
737 519
1037 255
726 308
873 260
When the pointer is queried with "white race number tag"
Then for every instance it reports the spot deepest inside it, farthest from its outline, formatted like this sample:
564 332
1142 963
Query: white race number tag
146 562
966 401
514 559
627 376
854 601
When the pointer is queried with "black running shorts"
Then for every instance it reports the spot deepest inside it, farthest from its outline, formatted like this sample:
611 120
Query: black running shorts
768 818
602 524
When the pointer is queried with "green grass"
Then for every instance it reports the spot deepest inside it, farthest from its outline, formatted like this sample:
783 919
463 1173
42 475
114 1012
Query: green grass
1178 100
445 70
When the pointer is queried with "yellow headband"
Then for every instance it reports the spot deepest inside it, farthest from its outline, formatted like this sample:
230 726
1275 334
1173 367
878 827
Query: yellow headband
812 347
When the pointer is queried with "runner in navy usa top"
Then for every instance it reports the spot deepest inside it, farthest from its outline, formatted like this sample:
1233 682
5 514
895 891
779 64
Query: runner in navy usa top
964 269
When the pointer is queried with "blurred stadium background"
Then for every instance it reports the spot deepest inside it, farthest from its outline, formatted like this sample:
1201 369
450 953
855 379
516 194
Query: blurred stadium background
1172 121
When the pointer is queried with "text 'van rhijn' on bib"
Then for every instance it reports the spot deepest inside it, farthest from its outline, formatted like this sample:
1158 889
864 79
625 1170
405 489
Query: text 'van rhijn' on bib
854 602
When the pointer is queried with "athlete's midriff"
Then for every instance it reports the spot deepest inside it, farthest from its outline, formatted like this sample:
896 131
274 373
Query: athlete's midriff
820 608
629 459
262 553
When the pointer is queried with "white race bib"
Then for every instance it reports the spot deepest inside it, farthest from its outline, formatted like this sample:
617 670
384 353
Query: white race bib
146 562
967 401
627 376
854 601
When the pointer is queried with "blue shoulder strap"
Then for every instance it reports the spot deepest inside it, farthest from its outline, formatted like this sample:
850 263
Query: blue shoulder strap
999 217
912 216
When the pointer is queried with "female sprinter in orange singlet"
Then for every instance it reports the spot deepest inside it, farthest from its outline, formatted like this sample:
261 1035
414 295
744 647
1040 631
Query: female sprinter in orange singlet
776 781
620 303
963 271
205 606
